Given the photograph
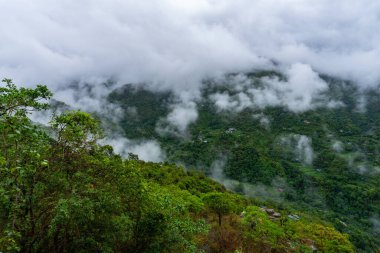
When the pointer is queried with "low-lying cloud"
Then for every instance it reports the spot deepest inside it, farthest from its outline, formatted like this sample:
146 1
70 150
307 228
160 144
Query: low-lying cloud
337 146
300 91
148 150
301 147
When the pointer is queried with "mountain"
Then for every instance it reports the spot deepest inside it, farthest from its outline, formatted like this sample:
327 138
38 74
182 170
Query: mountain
60 191
319 156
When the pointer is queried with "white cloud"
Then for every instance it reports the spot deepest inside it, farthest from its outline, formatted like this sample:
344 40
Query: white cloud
161 41
263 119
224 101
182 115
301 145
148 150
337 146
267 192
177 43
304 149
217 170
298 92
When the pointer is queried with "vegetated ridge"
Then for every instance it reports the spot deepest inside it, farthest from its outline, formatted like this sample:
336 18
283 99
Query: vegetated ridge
60 191
323 161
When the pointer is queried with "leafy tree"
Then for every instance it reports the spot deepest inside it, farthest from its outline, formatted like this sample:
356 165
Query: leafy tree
19 101
261 232
23 147
76 130
220 203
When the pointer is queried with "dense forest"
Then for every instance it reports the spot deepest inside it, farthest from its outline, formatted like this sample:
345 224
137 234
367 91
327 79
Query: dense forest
60 191
323 160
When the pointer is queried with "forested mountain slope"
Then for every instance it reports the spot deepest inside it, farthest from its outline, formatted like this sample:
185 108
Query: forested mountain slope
62 192
323 160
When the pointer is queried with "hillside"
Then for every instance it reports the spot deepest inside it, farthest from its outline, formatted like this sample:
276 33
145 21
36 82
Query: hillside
323 160
62 192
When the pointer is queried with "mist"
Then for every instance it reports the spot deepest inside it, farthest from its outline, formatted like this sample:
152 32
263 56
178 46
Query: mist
146 150
301 147
299 92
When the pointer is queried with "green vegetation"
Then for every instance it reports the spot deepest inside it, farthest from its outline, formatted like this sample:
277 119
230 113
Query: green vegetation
62 192
339 183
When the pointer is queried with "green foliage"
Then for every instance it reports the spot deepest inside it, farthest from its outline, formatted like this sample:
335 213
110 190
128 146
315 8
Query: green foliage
221 203
142 109
339 185
76 129
66 193
14 101
247 164
326 238
261 231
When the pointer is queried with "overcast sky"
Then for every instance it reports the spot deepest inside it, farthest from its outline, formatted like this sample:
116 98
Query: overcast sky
176 43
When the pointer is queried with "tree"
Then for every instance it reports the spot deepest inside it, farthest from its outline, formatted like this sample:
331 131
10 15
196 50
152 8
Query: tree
19 101
220 203
76 130
261 232
23 147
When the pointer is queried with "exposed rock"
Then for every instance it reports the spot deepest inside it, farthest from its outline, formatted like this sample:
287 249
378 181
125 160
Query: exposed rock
294 217
230 130
269 211
343 223
272 213
311 244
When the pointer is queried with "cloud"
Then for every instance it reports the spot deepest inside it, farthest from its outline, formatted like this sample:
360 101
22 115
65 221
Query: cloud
301 146
147 150
337 146
182 115
161 41
263 120
301 90
376 223
217 169
304 149
176 44
224 101
297 93
178 120
273 192
366 169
